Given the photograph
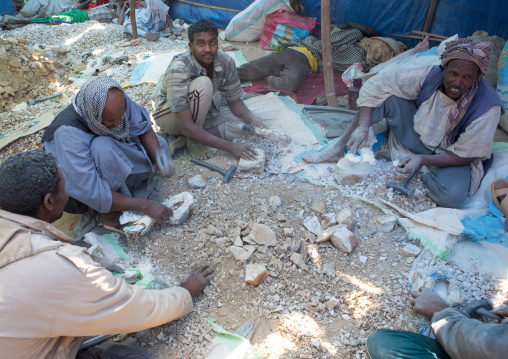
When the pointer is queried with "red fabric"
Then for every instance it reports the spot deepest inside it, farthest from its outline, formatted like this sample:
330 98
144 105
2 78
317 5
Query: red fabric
312 88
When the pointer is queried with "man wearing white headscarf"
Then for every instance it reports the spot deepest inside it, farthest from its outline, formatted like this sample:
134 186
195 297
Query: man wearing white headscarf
106 147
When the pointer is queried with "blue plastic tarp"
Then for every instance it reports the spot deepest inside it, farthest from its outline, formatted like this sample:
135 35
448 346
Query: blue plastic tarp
385 16
465 17
220 12
7 7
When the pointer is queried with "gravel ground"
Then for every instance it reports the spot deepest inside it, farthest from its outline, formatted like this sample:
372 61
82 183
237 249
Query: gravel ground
324 311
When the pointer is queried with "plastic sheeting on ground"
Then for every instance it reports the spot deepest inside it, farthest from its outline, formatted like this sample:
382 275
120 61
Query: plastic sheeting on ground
154 66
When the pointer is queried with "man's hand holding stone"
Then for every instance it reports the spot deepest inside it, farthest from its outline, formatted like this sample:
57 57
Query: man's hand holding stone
426 302
409 164
244 150
158 211
359 138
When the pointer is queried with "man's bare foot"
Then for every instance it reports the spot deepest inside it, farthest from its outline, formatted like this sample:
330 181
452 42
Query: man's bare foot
332 154
177 145
383 154
198 151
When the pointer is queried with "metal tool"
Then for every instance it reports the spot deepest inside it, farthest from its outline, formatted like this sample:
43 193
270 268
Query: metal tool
164 164
402 187
88 343
482 310
85 57
228 174
33 102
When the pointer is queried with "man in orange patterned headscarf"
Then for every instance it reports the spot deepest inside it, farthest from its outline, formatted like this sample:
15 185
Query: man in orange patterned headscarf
441 118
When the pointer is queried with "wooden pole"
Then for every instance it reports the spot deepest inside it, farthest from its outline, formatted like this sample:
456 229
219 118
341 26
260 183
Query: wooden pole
429 20
133 19
327 53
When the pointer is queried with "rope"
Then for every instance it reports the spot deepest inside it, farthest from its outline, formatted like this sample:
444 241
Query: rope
208 6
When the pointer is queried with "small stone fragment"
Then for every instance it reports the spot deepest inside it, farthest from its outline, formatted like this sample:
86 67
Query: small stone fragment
319 207
344 239
326 234
263 235
297 259
242 254
362 259
255 273
385 223
274 202
410 250
280 217
327 220
221 313
313 225
238 242
211 230
197 182
288 232
315 342
331 303
329 268
347 218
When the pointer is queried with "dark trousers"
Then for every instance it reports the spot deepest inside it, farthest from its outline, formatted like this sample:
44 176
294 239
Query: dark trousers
448 186
398 344
284 70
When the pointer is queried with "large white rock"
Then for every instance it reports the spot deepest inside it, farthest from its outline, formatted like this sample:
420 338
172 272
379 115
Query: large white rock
347 218
263 235
385 223
313 225
344 239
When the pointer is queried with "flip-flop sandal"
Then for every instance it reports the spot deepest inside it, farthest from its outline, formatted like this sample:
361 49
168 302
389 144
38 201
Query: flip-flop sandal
499 189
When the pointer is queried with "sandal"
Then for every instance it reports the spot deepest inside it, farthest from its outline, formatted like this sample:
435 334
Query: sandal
499 189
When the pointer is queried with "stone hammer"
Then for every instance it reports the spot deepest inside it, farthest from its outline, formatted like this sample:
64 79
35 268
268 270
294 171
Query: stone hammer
33 102
401 188
228 174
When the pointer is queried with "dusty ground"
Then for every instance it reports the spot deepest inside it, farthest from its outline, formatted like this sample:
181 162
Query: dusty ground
327 311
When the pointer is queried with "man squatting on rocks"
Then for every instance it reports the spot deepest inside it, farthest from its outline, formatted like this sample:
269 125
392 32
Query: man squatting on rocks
457 336
106 147
54 293
189 96
442 117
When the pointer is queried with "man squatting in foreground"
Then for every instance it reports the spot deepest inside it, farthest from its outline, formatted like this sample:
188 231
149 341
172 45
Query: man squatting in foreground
189 98
54 293
442 117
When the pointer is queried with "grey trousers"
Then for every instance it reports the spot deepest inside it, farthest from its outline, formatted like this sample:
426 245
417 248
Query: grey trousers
286 70
448 186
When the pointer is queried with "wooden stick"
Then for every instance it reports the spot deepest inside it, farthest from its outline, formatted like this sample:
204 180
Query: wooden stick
327 53
133 19
429 20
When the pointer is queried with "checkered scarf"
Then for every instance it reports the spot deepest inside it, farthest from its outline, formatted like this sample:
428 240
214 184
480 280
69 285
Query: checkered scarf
90 101
345 48
465 49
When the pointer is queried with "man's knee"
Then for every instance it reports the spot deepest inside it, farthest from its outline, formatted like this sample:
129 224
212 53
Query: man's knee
201 86
450 195
378 346
101 146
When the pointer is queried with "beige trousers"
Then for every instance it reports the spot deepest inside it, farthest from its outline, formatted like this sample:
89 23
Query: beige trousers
200 99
